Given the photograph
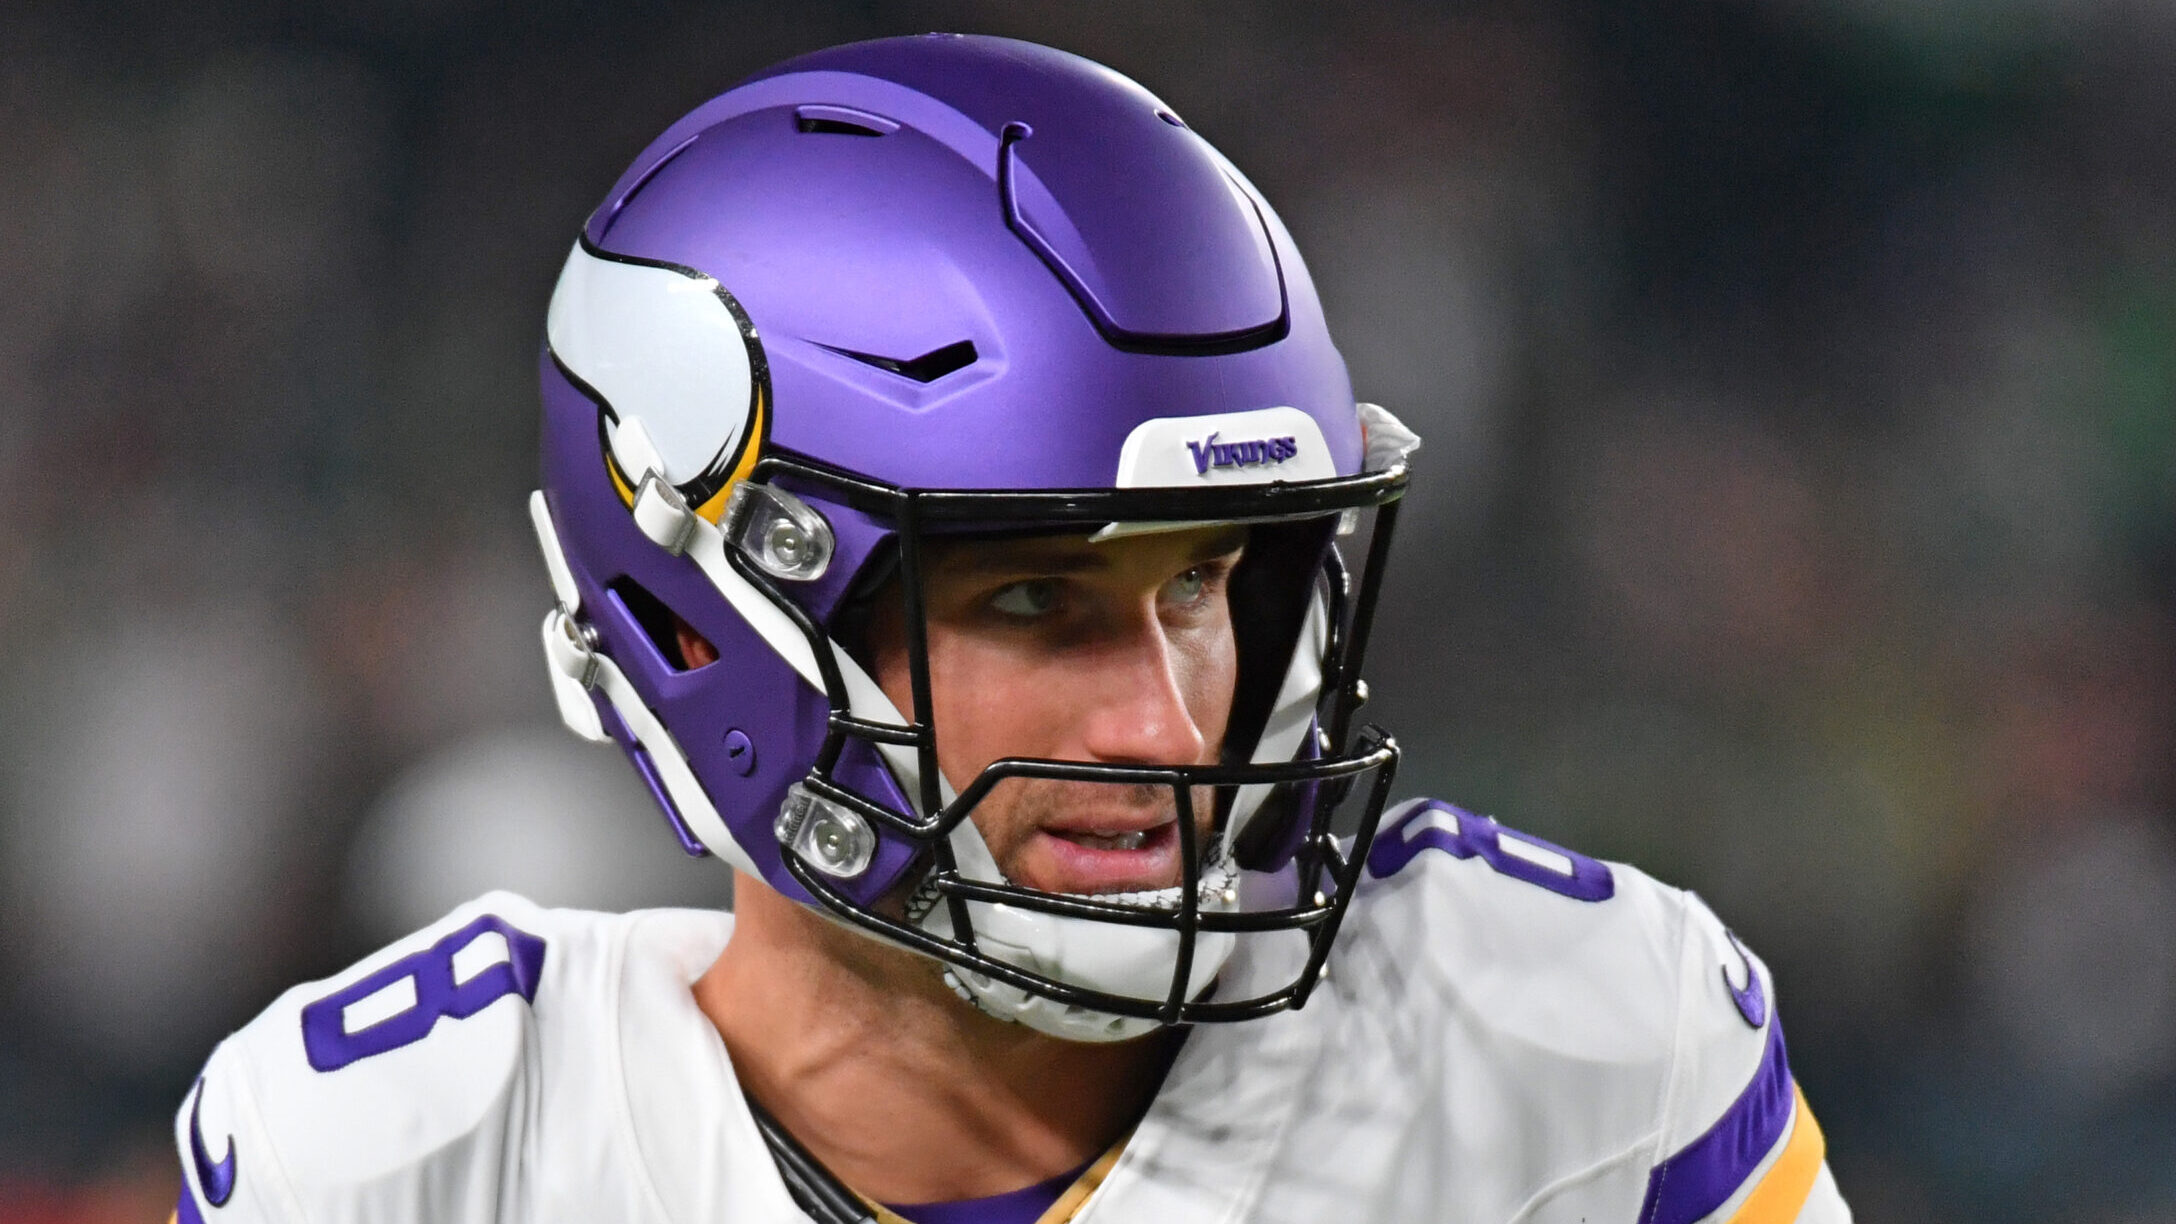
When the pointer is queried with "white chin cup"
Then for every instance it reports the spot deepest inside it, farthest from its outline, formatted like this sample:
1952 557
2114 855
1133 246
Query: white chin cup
1130 961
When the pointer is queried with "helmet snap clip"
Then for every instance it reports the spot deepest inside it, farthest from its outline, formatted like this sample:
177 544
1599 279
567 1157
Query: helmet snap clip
572 645
663 514
782 534
830 837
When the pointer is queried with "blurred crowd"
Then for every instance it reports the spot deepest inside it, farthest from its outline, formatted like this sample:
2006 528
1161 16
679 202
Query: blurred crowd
1797 517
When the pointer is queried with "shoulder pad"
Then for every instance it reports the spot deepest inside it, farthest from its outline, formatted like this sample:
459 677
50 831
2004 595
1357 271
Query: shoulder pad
1539 940
392 1090
1576 980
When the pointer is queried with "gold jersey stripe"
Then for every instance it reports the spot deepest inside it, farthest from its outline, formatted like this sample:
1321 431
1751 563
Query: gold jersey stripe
751 449
1076 1195
1789 1182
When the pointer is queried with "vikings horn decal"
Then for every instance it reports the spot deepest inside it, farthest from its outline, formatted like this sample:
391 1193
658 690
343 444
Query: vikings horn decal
669 346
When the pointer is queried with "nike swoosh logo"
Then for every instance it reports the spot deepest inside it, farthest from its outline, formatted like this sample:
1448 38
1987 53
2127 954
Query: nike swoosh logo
1752 1001
216 1179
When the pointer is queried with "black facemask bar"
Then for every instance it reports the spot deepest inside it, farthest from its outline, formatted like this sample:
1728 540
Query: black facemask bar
1327 873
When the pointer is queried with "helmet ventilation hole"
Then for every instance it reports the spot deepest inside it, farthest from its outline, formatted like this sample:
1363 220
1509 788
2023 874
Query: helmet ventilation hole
835 127
841 121
927 368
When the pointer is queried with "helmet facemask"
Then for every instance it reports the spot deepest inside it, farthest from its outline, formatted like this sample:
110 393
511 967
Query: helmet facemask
1259 848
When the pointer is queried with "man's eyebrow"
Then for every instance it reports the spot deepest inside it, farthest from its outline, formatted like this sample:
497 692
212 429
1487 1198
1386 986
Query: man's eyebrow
1015 558
1007 557
1230 540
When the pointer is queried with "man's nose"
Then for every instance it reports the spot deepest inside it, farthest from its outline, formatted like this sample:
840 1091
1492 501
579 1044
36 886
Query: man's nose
1136 698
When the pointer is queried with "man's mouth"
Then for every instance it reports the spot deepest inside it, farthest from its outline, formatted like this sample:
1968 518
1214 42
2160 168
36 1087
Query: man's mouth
1132 840
1096 861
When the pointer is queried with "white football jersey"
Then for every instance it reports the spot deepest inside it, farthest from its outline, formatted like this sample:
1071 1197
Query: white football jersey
1509 1032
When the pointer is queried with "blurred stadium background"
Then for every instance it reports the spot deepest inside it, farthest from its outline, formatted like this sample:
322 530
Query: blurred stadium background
1798 516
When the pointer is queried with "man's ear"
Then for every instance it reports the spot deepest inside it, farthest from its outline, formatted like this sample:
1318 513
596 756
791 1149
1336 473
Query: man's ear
695 649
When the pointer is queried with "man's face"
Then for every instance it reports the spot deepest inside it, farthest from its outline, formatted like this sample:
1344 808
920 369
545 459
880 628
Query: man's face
1119 652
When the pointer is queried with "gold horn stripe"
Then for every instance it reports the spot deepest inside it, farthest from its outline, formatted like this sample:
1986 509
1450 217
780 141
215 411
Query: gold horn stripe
751 449
619 479
712 509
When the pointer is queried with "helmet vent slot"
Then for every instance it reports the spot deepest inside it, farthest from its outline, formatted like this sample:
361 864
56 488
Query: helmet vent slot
835 127
841 121
927 368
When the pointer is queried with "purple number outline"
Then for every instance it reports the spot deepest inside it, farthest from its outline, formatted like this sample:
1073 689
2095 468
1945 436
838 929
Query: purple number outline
330 1046
1480 837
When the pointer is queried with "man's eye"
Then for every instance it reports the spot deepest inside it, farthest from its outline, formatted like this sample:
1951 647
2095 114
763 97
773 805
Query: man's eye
1035 597
1186 588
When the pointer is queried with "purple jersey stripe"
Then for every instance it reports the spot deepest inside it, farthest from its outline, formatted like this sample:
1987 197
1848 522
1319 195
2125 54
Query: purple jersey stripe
185 1211
1699 1178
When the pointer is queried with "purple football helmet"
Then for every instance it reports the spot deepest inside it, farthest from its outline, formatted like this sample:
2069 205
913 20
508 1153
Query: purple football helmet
958 285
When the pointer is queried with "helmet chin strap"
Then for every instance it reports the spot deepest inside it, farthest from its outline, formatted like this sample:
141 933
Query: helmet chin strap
1291 714
577 667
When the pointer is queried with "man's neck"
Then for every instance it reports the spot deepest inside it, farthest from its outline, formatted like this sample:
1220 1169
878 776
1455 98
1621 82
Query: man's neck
903 1090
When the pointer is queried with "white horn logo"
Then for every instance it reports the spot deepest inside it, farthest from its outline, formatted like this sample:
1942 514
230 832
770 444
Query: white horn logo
668 346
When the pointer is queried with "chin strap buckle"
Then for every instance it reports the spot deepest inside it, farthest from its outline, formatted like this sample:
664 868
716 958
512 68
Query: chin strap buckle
571 647
660 510
663 515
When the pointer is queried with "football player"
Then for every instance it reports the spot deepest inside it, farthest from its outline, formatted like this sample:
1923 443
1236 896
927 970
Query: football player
959 515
